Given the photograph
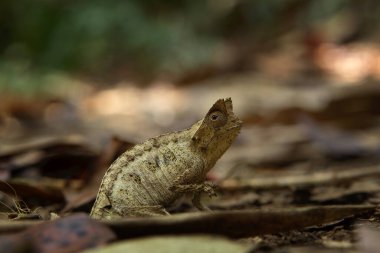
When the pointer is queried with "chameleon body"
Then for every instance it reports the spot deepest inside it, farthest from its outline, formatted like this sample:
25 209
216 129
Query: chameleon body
152 175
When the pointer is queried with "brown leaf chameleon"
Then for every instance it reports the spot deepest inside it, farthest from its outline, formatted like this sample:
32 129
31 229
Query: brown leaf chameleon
152 175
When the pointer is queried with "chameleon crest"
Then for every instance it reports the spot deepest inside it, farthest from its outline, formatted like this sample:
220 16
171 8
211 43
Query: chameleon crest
152 175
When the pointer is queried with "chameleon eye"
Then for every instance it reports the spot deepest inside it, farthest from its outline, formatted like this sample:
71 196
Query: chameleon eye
217 119
214 117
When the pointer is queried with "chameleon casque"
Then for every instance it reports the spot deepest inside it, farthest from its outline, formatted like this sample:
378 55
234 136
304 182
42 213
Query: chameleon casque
152 175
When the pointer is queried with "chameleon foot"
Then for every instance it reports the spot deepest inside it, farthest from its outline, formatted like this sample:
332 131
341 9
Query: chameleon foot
197 190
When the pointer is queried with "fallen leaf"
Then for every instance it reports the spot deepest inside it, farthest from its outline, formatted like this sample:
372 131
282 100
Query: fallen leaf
25 189
239 223
88 193
66 235
174 244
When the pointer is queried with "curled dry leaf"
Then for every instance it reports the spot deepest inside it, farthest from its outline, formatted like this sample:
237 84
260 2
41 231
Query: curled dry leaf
67 235
76 198
42 190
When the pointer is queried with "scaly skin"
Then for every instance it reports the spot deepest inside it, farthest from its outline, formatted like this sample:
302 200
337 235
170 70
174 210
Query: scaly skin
152 175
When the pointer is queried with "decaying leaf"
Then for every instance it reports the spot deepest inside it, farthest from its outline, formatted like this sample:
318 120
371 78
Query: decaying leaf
241 223
65 235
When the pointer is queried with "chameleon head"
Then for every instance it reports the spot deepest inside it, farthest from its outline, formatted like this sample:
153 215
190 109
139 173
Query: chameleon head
216 132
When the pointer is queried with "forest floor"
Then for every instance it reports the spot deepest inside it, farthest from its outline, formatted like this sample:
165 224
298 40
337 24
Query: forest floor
303 175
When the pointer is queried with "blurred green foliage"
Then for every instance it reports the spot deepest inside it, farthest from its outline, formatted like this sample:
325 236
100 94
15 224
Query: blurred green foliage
148 37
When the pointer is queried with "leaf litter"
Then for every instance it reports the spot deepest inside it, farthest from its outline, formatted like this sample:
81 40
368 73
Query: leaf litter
303 173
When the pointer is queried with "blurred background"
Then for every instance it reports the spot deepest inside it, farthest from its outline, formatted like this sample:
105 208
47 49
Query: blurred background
76 76
144 59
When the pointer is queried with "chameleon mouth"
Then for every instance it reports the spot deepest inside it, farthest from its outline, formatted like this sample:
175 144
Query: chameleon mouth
234 127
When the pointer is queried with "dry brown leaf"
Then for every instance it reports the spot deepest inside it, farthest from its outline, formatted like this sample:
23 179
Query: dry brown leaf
24 189
240 223
88 192
67 235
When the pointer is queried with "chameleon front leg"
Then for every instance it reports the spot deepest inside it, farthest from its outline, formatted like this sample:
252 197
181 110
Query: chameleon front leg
196 190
